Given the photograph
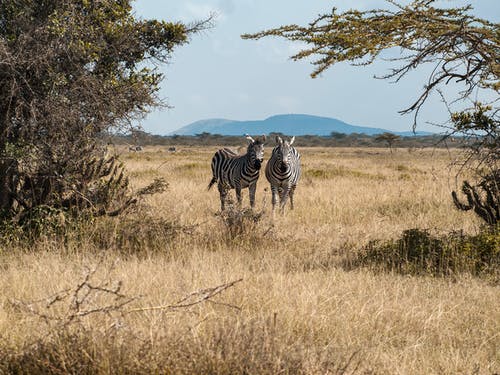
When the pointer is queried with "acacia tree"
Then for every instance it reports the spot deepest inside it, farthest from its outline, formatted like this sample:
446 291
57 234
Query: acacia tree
388 138
71 72
461 49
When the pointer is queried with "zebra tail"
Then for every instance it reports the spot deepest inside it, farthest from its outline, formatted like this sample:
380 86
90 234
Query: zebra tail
212 182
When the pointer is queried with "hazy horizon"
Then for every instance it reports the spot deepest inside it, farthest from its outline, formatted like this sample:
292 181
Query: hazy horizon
318 125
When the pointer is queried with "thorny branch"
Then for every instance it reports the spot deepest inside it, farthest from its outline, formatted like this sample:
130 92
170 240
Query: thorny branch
195 298
81 300
85 299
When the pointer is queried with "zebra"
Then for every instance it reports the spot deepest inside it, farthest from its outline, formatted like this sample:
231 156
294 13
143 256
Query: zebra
283 172
233 171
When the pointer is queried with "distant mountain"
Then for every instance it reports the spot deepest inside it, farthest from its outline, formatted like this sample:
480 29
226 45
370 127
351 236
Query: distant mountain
291 124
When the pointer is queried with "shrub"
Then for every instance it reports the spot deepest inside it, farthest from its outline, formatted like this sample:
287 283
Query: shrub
240 221
71 74
134 231
419 252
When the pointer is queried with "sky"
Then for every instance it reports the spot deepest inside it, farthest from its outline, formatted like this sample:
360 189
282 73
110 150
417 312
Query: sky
220 75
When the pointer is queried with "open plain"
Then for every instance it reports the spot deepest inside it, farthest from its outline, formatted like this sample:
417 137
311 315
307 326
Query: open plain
174 287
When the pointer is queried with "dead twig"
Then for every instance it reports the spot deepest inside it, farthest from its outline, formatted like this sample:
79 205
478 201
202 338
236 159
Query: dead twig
81 300
195 298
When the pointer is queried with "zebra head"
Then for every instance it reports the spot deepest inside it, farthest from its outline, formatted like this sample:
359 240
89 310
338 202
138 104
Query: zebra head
255 150
284 151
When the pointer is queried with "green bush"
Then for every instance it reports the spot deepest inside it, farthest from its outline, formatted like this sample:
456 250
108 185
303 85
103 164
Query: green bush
417 251
132 233
43 222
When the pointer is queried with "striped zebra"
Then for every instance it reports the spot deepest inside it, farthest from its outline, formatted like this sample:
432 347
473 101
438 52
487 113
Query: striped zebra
233 171
283 172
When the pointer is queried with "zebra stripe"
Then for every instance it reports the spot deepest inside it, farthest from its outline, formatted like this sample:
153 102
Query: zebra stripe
233 171
283 172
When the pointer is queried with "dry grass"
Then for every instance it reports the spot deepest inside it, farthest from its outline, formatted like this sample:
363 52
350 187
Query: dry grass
295 310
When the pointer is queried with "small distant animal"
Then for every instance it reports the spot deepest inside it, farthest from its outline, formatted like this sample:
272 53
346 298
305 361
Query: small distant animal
135 148
172 149
283 172
233 171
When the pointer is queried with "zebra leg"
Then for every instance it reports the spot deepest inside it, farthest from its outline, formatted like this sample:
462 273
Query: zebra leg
292 190
274 191
223 194
238 195
283 198
251 193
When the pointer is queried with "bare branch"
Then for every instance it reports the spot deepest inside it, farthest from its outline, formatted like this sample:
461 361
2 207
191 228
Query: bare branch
195 298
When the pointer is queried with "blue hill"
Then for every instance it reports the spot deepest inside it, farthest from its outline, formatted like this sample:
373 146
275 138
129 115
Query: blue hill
290 124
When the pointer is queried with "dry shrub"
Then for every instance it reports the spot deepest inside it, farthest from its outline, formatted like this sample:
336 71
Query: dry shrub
96 293
417 251
241 222
72 321
230 348
88 332
136 230
137 233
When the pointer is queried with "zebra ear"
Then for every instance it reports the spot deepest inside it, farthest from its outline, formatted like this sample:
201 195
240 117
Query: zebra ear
279 140
249 138
263 138
291 140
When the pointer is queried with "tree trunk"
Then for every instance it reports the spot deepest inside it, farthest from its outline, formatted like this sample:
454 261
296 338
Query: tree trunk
8 173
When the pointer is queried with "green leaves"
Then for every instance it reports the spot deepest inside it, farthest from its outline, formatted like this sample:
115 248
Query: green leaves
457 47
479 119
460 46
71 72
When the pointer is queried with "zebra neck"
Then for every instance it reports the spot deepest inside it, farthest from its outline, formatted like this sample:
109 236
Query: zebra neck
250 165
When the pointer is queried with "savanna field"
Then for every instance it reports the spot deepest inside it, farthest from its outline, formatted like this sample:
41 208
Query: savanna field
174 286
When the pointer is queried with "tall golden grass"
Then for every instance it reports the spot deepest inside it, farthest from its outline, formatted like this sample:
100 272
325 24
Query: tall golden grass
138 293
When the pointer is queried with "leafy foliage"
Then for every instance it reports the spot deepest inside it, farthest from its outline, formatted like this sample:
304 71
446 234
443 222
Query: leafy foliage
469 45
71 72
460 48
419 252
480 128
